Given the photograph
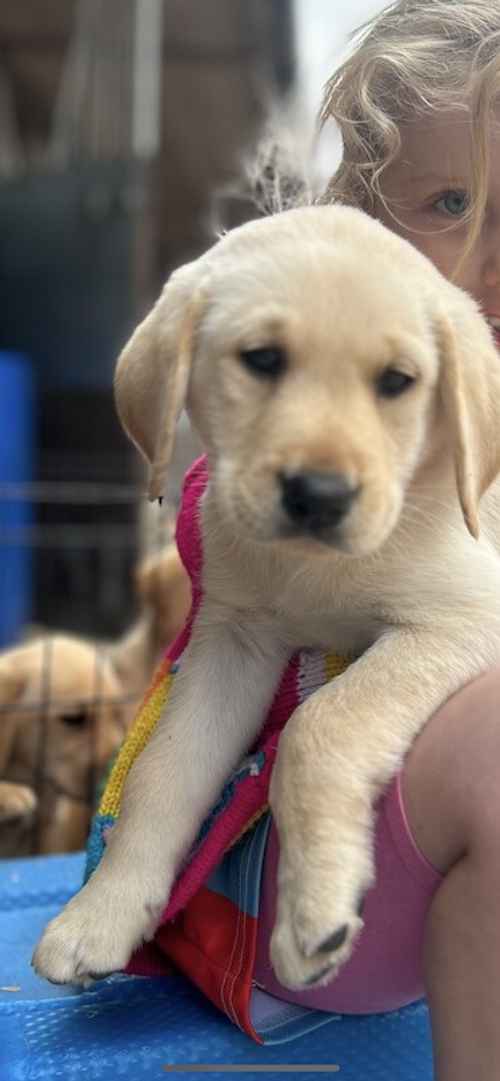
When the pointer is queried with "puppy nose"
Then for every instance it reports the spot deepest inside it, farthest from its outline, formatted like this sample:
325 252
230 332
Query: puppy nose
316 500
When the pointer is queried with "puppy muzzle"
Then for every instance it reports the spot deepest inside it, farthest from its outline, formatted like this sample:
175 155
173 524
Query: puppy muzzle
315 502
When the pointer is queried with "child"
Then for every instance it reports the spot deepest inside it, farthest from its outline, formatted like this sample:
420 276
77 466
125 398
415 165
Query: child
418 106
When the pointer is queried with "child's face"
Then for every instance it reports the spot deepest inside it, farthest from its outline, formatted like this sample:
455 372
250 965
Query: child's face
427 189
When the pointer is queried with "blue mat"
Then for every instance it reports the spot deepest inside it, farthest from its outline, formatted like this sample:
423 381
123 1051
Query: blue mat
133 1028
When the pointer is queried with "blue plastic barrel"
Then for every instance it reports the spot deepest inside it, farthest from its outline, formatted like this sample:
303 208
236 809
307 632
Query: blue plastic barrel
16 513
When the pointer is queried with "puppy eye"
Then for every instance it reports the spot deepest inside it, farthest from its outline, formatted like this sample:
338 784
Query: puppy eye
267 362
75 720
392 383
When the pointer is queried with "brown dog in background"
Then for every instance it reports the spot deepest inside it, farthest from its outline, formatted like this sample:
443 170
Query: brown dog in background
65 705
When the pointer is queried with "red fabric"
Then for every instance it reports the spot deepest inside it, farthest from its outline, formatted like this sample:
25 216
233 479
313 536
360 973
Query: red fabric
213 942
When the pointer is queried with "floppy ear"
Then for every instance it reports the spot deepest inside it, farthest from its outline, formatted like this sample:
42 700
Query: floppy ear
152 373
470 392
12 683
12 677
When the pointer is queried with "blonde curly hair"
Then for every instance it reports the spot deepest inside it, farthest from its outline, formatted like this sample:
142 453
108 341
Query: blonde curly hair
415 59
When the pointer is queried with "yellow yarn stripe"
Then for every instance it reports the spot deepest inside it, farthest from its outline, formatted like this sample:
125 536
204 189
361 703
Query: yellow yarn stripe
335 665
139 735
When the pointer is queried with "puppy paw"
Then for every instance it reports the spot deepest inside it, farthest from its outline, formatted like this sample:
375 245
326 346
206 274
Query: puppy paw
16 801
319 917
96 933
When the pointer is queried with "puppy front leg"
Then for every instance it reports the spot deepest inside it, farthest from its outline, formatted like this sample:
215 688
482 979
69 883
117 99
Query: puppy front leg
336 755
217 705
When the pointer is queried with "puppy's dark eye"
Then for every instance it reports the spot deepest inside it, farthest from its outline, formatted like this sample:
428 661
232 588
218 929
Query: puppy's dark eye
392 383
75 720
267 362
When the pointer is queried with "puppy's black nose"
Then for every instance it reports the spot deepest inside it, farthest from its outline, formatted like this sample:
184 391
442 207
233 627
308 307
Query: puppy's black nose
316 500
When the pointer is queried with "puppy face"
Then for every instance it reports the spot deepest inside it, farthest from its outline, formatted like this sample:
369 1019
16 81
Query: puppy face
315 393
64 705
324 361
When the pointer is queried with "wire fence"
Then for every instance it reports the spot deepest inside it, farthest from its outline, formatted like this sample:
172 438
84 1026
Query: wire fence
69 689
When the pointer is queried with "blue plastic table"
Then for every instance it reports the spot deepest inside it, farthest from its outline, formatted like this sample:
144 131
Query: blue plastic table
132 1028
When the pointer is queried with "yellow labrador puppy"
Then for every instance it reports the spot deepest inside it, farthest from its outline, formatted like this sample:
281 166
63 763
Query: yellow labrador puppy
62 715
66 703
349 401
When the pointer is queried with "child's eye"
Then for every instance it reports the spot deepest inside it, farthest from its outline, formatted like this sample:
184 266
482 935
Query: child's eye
454 203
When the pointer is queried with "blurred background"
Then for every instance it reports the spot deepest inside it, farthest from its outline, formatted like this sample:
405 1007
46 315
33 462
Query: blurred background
119 119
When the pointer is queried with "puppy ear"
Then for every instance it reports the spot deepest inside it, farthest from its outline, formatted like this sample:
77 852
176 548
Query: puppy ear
12 677
12 684
152 373
470 393
158 573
